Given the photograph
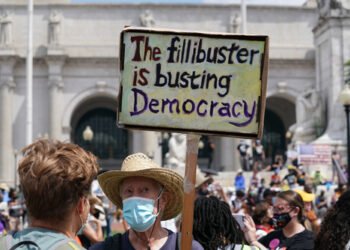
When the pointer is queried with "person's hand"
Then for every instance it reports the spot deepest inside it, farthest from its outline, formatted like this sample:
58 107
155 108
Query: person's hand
96 222
249 229
250 233
218 187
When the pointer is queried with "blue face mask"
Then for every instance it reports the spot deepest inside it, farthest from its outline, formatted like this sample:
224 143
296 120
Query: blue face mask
138 213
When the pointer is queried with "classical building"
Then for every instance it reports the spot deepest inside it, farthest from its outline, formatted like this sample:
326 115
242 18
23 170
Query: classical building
76 74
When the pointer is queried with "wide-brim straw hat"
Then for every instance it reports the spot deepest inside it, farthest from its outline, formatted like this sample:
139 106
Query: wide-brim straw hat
139 165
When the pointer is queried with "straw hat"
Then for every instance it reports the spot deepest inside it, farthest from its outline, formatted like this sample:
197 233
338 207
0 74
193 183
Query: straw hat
141 166
201 178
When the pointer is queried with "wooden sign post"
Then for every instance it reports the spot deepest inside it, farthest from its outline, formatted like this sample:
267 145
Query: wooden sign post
196 83
189 190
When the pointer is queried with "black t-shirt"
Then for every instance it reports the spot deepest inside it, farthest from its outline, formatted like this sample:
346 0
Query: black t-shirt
277 241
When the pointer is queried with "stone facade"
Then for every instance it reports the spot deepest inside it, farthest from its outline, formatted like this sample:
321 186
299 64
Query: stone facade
76 63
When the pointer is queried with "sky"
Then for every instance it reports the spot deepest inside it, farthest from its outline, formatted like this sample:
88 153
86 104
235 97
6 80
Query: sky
262 2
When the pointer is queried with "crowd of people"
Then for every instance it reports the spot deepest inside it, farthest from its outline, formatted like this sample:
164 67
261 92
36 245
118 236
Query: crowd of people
65 202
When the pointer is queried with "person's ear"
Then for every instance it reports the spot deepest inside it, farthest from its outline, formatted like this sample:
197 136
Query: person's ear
82 205
164 198
295 211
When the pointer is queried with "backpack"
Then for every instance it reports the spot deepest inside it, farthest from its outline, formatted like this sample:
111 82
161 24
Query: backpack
7 243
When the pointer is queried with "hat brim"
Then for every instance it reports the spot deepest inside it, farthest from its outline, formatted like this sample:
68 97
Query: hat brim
307 197
171 181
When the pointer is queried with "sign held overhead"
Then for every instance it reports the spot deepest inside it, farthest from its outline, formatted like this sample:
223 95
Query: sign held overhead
207 83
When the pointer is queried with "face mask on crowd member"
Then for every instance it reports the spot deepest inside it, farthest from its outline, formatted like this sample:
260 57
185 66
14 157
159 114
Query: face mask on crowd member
283 213
279 221
139 212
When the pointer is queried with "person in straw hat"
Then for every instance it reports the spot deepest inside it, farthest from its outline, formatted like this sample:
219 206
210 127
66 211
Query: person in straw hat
147 194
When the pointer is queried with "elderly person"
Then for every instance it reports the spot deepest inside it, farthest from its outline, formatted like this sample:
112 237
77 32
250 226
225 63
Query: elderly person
147 194
55 178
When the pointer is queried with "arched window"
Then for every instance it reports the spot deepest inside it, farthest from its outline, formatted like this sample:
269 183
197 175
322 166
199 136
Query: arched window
108 141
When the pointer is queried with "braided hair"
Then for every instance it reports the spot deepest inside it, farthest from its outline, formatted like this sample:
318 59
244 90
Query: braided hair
335 228
214 227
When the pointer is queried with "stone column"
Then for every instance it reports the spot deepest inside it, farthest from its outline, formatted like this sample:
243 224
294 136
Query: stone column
56 85
147 142
7 86
227 152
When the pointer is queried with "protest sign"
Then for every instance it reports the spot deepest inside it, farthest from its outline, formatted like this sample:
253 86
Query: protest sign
204 83
192 82
314 154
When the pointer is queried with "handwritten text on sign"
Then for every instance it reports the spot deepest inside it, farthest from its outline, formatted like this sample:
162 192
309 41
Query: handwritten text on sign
191 82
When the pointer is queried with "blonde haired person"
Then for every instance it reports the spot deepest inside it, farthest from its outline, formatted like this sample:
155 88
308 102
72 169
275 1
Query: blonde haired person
55 178
148 194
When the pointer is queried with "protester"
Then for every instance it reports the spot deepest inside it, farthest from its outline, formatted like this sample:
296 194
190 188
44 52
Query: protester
269 195
291 177
255 179
148 194
275 179
338 191
311 221
238 203
210 150
317 179
15 211
240 181
97 210
262 216
4 190
242 148
4 217
258 155
92 232
335 228
290 232
321 204
215 227
55 178
202 183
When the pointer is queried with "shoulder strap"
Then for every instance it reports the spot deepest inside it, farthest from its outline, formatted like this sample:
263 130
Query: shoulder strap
25 242
113 242
178 241
6 242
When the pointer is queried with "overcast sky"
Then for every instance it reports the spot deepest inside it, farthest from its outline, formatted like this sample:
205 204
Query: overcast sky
264 2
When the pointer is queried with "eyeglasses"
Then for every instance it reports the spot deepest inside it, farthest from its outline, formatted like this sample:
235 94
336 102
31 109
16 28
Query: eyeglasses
281 208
